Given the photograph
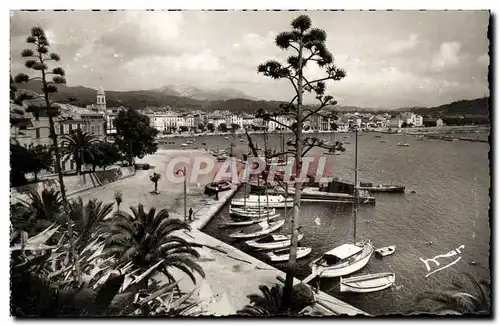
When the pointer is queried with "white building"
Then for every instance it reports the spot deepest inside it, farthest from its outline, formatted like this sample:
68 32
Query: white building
167 121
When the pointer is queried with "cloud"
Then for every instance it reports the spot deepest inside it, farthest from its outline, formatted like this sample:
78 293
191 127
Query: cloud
448 56
397 47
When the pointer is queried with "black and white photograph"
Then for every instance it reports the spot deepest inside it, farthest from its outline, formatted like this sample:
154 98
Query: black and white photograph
250 163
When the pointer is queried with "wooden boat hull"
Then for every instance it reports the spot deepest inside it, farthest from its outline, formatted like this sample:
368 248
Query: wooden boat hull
251 213
252 221
272 227
367 283
353 265
272 245
301 253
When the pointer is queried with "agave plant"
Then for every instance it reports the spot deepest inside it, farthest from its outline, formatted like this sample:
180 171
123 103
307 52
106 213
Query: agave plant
146 240
270 301
457 301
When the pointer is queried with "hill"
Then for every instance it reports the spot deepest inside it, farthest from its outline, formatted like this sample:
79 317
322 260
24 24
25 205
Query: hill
191 98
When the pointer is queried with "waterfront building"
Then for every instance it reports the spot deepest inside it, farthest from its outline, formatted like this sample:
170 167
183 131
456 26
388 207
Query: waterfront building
35 127
167 121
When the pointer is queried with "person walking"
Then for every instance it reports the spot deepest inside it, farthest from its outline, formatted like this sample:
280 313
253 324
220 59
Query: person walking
191 214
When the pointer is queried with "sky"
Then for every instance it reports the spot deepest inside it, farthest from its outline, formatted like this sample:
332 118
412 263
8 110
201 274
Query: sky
393 59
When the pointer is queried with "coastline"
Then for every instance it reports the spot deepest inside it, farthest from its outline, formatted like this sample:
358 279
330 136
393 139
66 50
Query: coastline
231 274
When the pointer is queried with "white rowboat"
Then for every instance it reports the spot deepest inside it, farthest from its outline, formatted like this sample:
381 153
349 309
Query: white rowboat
284 254
273 241
257 230
367 283
385 251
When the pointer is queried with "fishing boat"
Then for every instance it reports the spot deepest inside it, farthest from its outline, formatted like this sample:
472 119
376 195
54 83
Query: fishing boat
276 201
273 241
257 230
378 136
383 141
246 222
369 186
385 251
190 142
349 257
204 144
227 137
184 145
214 187
251 212
403 144
284 254
367 283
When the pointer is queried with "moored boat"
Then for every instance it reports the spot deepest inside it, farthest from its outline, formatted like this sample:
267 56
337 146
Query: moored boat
276 201
250 221
380 187
257 230
342 260
403 144
284 254
367 283
273 241
385 251
214 187
251 212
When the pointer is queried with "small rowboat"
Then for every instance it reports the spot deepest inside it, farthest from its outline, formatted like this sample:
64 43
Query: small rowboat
381 187
257 230
404 144
273 241
367 283
252 221
385 251
284 254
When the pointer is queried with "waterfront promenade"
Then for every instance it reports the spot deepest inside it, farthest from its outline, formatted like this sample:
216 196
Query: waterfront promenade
231 275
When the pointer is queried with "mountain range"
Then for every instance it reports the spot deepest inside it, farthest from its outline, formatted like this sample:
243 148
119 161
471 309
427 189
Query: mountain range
192 98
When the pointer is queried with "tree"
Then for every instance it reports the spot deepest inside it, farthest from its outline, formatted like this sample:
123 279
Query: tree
183 129
404 125
155 177
134 136
308 46
146 239
211 127
78 145
39 211
222 127
102 155
20 158
87 218
201 126
270 302
41 159
37 60
118 199
235 126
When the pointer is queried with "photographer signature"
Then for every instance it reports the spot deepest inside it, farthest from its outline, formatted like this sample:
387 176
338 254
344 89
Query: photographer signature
434 260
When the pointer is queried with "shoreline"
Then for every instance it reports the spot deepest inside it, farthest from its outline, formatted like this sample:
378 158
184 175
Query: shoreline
231 274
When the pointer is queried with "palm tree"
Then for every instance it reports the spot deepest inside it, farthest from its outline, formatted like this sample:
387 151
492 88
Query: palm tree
155 178
87 218
145 239
118 198
42 209
78 144
270 301
457 303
